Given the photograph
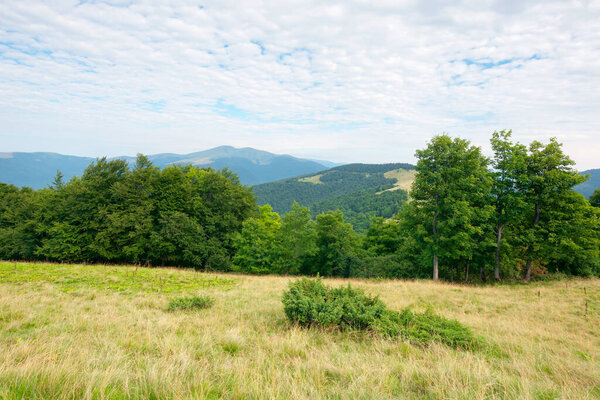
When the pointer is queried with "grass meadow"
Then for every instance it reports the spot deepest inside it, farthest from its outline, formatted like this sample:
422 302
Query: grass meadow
105 332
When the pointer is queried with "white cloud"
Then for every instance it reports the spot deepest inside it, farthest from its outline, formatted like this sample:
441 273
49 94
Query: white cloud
353 81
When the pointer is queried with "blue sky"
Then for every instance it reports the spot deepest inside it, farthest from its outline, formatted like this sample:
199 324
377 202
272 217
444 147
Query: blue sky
352 81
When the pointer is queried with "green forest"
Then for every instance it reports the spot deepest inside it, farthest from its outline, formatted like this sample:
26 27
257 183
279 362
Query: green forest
468 217
360 191
180 216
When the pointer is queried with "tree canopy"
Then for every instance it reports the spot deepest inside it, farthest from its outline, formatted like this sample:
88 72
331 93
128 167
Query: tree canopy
180 215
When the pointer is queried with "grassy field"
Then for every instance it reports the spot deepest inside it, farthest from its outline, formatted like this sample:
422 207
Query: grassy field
72 331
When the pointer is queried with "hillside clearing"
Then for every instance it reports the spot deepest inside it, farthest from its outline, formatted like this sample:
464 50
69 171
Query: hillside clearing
312 179
72 331
404 179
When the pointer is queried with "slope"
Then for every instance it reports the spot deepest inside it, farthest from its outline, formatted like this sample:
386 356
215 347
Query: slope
361 191
587 188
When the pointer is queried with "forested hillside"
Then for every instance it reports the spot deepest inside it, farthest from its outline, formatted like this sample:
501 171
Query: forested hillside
587 188
360 191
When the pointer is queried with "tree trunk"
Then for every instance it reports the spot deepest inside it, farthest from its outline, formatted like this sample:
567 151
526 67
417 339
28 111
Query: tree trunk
527 271
435 257
528 263
498 247
467 271
537 215
482 274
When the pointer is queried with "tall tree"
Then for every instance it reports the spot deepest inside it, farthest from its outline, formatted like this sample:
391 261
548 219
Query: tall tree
451 178
509 173
77 212
573 240
131 223
19 226
550 175
383 237
297 241
256 244
336 242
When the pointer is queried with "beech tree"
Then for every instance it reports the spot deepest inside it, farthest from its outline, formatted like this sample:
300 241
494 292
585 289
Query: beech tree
19 224
336 242
297 241
572 243
550 176
383 237
509 173
256 244
451 180
130 218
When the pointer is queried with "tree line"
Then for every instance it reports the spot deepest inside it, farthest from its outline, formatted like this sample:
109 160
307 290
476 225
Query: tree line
515 212
180 215
513 215
360 207
468 217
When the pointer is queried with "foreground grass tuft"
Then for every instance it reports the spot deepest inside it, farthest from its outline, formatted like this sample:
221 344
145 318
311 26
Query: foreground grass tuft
190 303
309 302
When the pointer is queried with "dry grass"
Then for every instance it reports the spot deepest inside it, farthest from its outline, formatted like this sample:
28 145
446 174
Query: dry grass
316 179
404 179
101 342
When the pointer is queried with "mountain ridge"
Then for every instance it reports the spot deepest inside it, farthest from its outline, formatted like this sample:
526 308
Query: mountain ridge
253 166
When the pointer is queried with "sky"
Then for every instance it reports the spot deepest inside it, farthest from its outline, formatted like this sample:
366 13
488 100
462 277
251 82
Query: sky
351 81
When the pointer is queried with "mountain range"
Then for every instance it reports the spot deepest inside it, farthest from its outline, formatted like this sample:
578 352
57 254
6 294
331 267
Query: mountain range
37 170
254 167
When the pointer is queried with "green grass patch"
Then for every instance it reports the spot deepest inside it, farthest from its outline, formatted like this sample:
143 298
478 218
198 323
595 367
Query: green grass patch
71 277
190 303
309 302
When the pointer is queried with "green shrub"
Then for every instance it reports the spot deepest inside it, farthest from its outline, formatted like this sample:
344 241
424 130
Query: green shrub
190 303
424 328
311 303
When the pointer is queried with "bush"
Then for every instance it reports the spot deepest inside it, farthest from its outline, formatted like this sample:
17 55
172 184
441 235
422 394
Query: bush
311 303
190 303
